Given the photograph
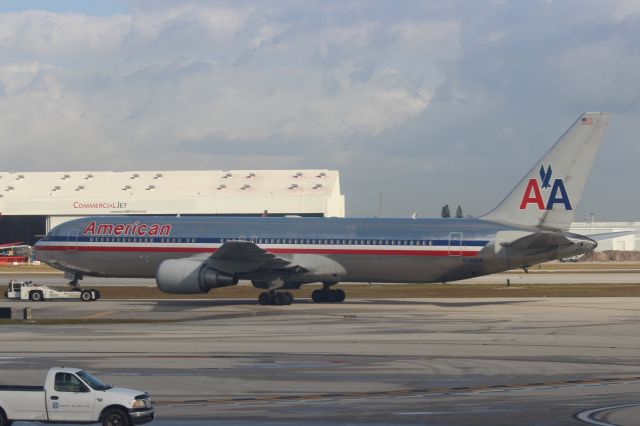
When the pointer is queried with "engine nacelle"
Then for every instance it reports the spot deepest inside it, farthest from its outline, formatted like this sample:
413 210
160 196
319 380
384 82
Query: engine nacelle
187 276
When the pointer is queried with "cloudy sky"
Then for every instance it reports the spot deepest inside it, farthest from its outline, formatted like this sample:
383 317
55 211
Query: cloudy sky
426 102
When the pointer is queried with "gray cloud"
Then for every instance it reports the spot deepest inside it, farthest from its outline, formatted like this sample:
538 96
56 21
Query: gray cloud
427 102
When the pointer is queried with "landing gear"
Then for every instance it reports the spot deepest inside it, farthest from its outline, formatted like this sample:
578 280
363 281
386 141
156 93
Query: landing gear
326 295
273 297
73 278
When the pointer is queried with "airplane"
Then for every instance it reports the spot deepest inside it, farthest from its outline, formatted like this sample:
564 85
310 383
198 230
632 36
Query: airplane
191 255
15 249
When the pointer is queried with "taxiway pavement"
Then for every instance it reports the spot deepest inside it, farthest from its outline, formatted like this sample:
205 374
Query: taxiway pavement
375 362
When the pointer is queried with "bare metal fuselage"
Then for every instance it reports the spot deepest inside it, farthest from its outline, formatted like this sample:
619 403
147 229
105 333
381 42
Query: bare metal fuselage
369 250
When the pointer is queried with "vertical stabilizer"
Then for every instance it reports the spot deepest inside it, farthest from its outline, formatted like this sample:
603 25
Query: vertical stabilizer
548 195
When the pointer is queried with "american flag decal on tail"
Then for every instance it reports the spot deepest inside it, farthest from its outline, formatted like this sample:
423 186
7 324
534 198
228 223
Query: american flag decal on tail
588 121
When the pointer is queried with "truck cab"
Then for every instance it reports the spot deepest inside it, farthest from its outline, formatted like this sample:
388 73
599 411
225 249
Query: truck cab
71 395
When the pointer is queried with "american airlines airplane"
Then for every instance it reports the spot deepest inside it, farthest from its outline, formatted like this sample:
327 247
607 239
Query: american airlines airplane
188 255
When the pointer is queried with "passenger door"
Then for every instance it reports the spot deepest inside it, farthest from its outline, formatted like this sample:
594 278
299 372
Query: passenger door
455 244
71 400
72 240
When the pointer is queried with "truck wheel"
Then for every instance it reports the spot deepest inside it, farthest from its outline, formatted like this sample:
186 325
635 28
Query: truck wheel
3 419
85 296
37 296
115 417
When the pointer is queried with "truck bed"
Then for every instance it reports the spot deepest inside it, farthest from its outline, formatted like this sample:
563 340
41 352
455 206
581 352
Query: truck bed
21 388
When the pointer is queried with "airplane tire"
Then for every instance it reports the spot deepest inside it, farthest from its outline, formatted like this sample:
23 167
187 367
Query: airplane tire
280 299
86 296
338 295
264 298
289 298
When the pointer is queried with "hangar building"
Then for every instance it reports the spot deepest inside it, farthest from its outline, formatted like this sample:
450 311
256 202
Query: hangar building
629 242
33 203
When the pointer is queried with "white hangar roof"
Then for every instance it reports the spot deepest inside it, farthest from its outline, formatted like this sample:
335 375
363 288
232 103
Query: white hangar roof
304 192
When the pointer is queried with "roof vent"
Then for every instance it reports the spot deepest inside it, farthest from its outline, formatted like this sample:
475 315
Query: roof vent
221 187
158 176
80 188
297 175
321 175
317 186
20 177
294 186
150 188
135 176
250 176
55 188
88 177
227 175
245 187
126 187
65 177
9 188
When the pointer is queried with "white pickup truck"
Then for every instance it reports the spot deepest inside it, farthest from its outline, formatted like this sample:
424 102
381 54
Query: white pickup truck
70 395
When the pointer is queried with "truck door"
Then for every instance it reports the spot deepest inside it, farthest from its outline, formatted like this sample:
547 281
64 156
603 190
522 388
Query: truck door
70 400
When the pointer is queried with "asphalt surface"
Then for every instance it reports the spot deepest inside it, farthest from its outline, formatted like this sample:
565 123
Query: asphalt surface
515 278
383 362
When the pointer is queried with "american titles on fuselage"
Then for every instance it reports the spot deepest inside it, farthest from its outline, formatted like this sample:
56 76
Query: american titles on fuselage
533 192
132 229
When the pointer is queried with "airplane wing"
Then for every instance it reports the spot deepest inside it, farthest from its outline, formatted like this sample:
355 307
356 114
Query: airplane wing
244 256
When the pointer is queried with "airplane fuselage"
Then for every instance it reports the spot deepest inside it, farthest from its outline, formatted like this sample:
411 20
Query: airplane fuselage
367 250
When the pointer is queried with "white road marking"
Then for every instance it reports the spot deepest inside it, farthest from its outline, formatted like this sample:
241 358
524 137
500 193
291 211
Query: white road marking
585 416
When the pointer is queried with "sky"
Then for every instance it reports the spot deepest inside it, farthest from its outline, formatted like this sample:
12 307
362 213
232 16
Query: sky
423 102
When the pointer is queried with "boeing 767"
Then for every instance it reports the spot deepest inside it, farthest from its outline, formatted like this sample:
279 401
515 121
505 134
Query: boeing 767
189 255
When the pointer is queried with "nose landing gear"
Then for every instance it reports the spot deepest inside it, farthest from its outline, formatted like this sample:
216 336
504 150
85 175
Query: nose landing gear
326 295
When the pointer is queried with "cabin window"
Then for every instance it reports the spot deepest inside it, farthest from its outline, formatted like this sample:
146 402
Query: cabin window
67 382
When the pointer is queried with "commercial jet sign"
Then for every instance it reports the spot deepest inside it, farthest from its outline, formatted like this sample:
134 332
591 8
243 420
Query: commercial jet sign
112 207
534 190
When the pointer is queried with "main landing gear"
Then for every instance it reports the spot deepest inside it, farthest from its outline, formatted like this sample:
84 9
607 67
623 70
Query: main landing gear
326 295
273 297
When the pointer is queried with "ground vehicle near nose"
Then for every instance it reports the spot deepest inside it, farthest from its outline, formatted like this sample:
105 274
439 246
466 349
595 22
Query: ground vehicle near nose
71 395
27 290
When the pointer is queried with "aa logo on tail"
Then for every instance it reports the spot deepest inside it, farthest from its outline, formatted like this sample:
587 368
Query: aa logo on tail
533 192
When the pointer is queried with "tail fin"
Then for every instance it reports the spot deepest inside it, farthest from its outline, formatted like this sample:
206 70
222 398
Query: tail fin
548 195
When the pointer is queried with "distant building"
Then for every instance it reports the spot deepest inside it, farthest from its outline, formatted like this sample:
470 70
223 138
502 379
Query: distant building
625 243
33 203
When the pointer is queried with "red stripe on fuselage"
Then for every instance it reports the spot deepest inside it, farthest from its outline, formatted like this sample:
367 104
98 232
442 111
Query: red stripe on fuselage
383 252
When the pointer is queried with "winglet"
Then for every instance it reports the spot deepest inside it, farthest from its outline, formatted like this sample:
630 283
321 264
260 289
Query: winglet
548 195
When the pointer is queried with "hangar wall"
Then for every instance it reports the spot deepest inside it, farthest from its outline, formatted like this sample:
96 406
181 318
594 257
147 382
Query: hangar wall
624 243
57 197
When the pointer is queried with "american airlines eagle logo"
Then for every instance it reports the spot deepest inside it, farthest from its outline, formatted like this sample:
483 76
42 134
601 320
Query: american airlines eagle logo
533 193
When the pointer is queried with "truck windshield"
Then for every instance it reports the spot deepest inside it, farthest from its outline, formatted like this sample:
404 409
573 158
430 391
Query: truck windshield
92 381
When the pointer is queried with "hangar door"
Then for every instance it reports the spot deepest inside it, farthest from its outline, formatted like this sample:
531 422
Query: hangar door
25 229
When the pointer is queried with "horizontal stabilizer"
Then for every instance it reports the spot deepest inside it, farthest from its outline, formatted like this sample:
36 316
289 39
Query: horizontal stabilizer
611 235
533 240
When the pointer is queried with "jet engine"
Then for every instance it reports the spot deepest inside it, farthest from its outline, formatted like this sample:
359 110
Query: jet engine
190 276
